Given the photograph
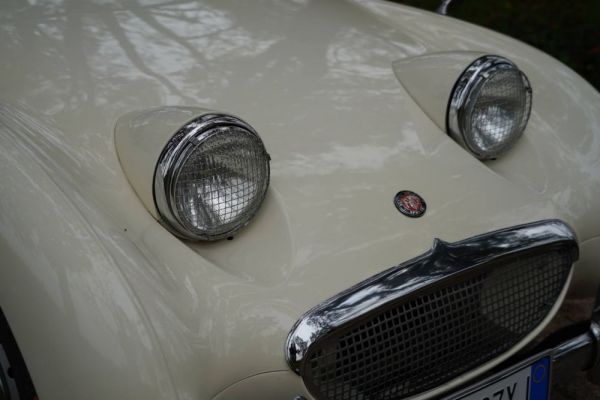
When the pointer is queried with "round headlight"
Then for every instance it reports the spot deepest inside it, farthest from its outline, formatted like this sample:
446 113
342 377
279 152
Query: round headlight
489 107
211 177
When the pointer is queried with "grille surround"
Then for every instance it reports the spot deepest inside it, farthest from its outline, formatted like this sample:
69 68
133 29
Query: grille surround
443 266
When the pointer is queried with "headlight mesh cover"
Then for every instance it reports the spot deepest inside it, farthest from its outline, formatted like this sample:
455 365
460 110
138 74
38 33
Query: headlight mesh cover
432 330
499 114
221 179
211 177
489 106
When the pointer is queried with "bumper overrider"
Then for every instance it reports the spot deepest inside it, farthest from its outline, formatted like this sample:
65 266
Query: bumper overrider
437 321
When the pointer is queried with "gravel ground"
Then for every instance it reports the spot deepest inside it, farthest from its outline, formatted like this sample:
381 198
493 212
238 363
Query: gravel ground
576 388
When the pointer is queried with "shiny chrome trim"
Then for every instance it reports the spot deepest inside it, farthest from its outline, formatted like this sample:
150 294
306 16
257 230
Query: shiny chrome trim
578 353
593 373
170 160
442 261
472 78
8 387
443 7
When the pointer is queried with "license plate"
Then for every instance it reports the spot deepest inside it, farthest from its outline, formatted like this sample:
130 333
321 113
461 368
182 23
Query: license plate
530 382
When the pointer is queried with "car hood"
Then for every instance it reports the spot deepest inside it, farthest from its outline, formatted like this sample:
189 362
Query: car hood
315 79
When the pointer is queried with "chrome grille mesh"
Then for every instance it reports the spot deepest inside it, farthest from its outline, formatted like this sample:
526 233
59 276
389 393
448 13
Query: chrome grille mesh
416 344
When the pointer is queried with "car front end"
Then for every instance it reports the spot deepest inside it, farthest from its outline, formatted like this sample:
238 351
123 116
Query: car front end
350 242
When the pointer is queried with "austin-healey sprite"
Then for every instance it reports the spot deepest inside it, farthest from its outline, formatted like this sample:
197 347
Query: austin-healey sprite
299 199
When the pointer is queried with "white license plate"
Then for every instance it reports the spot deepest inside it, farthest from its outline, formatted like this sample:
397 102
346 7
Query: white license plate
531 382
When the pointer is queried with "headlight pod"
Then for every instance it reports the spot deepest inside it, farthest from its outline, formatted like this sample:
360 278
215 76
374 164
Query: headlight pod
489 106
211 177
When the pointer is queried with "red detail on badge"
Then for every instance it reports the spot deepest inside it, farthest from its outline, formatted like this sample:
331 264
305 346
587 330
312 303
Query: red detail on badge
410 204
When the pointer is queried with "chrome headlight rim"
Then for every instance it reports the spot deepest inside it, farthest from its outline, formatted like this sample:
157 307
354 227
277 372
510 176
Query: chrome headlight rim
462 100
172 159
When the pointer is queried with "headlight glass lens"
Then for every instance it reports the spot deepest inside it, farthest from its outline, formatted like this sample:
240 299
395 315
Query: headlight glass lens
489 107
211 178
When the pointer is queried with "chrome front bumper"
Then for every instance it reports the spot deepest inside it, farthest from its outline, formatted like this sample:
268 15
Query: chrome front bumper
573 351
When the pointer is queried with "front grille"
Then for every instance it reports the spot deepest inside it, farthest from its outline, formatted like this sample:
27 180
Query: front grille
418 342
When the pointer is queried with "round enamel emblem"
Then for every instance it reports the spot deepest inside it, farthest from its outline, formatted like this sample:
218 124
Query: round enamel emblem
410 204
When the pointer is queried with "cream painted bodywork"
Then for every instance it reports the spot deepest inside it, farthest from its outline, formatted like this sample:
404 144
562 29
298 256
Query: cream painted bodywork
105 303
140 137
430 78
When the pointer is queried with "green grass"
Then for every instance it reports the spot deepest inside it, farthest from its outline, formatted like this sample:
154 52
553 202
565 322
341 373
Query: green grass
568 30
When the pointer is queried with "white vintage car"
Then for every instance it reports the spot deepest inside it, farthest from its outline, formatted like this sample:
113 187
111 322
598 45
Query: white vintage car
301 199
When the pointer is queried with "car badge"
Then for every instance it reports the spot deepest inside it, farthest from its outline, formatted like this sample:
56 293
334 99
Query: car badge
410 204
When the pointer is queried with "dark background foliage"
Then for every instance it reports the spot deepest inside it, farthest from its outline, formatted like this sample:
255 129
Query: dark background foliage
568 30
